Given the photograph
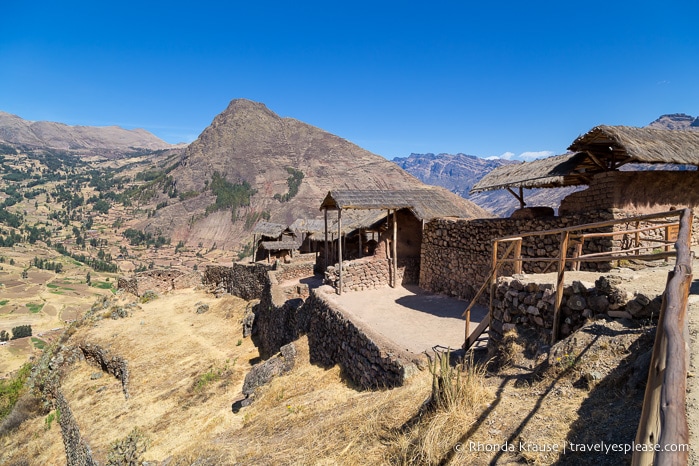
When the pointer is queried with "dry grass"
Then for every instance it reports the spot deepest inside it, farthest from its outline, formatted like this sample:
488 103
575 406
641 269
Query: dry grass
458 396
311 416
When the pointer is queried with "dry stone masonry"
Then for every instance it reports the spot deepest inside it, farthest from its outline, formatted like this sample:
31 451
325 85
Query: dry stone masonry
456 254
527 301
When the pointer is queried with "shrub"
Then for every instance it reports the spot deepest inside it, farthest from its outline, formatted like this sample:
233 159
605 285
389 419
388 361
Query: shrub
21 331
129 450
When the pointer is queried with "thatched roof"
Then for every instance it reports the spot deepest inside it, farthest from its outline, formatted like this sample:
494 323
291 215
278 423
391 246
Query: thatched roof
308 225
279 245
628 144
551 172
426 204
272 230
603 148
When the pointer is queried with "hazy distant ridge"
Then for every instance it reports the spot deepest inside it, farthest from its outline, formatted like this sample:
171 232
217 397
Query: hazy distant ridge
46 134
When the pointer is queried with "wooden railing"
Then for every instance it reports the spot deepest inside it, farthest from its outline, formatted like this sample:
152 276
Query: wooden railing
664 417
640 248
663 423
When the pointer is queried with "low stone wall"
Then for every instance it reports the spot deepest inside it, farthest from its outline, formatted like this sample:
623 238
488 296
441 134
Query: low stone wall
295 270
111 364
369 273
160 281
242 280
365 359
529 302
456 254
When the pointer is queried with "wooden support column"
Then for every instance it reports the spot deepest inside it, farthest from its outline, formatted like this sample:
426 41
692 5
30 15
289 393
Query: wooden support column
559 286
518 256
339 249
360 243
326 240
395 249
254 247
520 196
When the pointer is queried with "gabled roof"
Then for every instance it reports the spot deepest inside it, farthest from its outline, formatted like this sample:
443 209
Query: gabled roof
426 204
649 145
272 230
551 172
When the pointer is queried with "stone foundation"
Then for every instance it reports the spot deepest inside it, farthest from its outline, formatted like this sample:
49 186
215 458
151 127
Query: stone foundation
370 273
528 301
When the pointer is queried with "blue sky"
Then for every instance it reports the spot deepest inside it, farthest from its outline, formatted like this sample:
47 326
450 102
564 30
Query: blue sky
486 78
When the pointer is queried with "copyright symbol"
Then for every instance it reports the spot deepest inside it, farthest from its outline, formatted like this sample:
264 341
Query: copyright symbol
458 447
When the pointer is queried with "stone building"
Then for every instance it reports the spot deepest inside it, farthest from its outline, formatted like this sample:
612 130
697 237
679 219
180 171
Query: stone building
396 220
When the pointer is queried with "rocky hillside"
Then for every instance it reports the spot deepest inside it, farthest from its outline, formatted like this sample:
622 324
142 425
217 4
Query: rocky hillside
101 140
268 167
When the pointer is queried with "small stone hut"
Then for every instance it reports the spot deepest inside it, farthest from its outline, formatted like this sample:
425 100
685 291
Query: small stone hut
398 217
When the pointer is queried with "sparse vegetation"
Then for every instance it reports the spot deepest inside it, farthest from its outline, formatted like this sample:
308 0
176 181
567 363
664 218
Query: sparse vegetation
229 195
293 182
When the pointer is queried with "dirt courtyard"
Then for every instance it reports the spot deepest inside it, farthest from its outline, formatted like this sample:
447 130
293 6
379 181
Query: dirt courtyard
412 318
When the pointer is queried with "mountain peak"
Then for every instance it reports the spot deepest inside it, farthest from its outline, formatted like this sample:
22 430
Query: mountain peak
675 121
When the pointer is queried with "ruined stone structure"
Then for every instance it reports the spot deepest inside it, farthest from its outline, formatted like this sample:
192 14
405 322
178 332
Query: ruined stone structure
528 302
159 281
457 254
366 359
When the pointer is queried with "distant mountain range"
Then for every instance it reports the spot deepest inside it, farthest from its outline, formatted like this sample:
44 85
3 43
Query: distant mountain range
459 172
97 140
271 167
249 164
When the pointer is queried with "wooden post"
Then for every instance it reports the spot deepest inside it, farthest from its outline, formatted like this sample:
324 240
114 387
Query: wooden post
518 256
254 247
360 242
637 238
395 249
468 323
339 248
578 253
326 239
559 286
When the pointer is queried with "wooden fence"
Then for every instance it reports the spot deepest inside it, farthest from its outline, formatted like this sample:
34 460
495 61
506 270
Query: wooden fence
663 424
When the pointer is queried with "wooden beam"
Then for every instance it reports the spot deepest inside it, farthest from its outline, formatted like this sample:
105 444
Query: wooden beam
326 239
339 248
519 197
559 286
395 249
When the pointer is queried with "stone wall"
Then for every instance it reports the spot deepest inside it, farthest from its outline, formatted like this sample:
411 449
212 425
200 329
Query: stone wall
244 281
457 254
528 301
364 357
632 193
278 320
370 273
160 281
295 270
